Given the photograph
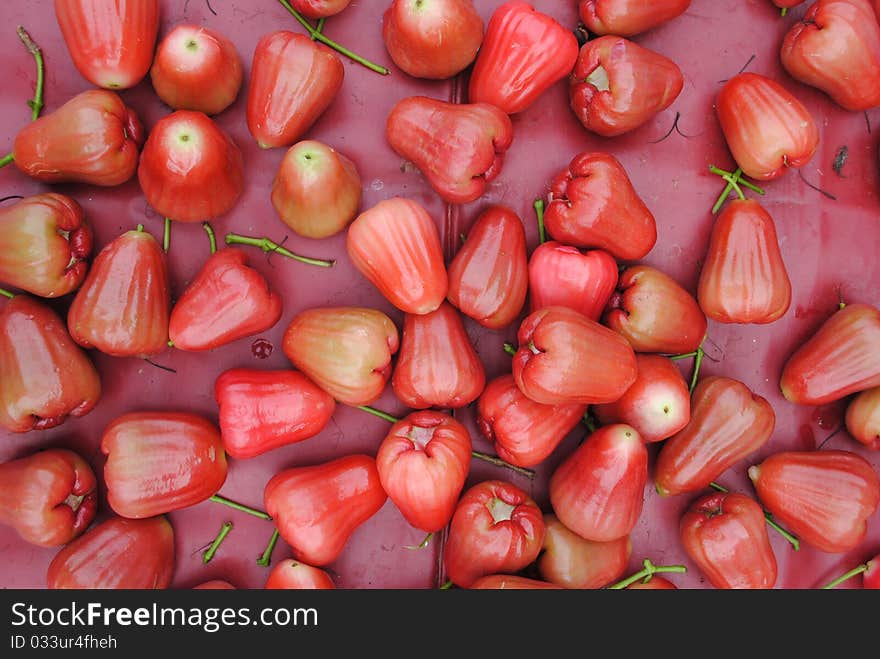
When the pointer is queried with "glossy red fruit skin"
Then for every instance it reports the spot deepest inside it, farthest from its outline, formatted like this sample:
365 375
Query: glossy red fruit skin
44 376
836 43
524 53
458 147
317 190
93 138
111 43
122 307
396 246
725 534
49 497
488 278
656 583
423 463
319 8
196 68
346 351
317 508
863 418
511 582
617 85
118 553
787 4
766 127
228 300
841 358
657 405
190 169
45 242
570 561
655 313
496 528
435 43
290 574
158 462
744 278
728 423
262 410
871 576
564 276
825 497
437 366
293 80
626 18
215 584
598 490
564 358
592 203
524 432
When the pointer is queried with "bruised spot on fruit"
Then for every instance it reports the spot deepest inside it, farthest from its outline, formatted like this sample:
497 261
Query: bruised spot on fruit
501 511
599 79
420 437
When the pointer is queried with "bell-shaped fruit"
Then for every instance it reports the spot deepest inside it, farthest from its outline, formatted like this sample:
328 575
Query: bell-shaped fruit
458 147
345 350
44 244
122 307
825 498
564 357
598 491
93 138
190 169
564 276
293 80
570 561
396 246
863 418
317 190
728 423
626 18
290 574
655 313
592 203
744 279
44 376
319 8
317 508
423 463
227 300
524 432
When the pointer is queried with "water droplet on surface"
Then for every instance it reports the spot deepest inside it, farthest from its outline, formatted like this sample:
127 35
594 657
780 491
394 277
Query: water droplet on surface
377 184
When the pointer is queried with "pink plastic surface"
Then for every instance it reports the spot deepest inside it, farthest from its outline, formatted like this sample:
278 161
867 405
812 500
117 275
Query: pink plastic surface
830 247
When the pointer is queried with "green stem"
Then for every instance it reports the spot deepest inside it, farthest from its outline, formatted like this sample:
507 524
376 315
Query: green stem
266 557
422 544
8 158
447 586
209 553
698 363
6 293
792 539
849 575
590 422
734 181
686 355
379 413
498 462
207 227
319 26
140 227
649 571
271 246
315 34
783 12
239 506
539 211
36 105
509 349
166 235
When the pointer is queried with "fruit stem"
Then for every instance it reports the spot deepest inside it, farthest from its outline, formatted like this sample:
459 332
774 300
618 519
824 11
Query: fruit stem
792 539
783 12
6 293
207 227
379 413
734 180
319 27
849 575
509 349
590 422
266 557
8 158
36 105
315 34
498 462
686 355
698 364
271 246
539 211
166 235
422 544
221 536
239 506
649 571
447 586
